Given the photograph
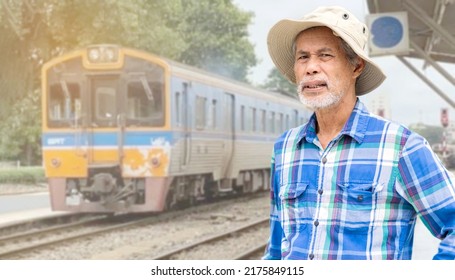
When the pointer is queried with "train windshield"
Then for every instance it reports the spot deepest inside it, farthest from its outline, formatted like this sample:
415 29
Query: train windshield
145 103
64 104
132 96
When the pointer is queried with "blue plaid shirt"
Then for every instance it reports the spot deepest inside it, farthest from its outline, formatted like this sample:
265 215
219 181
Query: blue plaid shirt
360 197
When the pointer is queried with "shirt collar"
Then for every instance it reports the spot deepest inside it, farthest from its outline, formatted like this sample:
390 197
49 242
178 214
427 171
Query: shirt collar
355 127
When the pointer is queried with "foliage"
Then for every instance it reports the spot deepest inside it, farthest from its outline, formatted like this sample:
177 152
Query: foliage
23 125
22 175
217 37
146 25
278 83
433 134
210 34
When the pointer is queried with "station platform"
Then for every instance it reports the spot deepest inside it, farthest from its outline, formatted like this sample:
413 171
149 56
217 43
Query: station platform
9 219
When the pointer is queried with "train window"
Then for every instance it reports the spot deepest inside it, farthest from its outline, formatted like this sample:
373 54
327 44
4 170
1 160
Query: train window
64 105
279 123
105 109
272 122
200 113
242 118
248 119
145 103
213 114
296 118
104 101
262 121
288 123
177 108
253 119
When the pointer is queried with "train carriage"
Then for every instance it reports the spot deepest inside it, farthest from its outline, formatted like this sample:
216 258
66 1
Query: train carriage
128 131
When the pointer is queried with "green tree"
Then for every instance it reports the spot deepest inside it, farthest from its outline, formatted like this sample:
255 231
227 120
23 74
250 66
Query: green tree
432 133
146 25
22 129
277 82
216 33
210 34
20 47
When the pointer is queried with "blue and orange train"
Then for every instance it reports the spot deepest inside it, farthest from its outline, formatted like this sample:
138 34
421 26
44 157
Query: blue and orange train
128 131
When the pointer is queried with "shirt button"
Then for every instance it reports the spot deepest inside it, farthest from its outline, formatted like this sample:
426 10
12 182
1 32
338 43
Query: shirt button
320 191
324 160
360 198
311 256
316 223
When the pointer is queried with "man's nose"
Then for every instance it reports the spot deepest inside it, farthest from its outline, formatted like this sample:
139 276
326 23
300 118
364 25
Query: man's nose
313 66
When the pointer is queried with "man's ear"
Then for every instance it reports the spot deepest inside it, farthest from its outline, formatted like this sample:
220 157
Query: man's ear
359 68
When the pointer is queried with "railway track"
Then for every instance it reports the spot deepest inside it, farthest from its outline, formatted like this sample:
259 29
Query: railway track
34 224
14 245
18 245
255 253
235 235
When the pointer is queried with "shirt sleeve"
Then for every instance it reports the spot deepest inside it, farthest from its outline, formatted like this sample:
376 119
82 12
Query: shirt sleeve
429 187
273 249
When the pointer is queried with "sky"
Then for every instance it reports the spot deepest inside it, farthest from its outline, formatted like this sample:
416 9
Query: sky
408 100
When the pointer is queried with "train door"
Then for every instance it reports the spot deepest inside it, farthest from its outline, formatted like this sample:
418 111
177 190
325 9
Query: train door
229 117
106 124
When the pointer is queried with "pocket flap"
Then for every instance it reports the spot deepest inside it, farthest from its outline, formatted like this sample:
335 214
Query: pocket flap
361 187
292 190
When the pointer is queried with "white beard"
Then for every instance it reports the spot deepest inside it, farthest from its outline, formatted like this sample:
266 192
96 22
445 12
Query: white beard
318 102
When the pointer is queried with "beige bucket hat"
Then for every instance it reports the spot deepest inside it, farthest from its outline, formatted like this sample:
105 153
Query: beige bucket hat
343 23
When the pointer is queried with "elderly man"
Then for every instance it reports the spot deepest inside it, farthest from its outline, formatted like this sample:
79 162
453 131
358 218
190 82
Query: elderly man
348 184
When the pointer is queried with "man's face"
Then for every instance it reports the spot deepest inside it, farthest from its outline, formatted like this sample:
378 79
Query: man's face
323 73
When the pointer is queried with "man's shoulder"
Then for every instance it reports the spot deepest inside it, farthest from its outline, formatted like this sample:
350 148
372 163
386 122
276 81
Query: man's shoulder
292 134
290 137
386 125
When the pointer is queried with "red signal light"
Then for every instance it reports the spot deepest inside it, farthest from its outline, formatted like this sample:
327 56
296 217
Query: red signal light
444 117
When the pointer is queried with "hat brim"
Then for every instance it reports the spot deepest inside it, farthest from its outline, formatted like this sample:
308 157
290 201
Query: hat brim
280 42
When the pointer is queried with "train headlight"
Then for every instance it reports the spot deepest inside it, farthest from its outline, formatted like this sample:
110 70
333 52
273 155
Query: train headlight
94 55
103 54
55 162
155 162
110 54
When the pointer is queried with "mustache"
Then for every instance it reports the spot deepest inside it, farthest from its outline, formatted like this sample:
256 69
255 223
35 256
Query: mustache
301 83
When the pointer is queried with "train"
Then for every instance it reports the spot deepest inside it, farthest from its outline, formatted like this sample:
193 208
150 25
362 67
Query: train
127 131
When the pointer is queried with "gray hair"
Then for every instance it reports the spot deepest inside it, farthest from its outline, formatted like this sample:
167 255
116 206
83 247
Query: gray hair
352 57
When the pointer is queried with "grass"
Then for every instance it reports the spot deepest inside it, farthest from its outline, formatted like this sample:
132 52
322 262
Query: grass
22 175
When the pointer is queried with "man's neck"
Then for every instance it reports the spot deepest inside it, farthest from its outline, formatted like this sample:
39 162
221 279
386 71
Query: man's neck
330 121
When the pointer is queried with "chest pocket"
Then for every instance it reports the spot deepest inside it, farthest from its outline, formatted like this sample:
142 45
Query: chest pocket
360 196
359 201
292 190
297 206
